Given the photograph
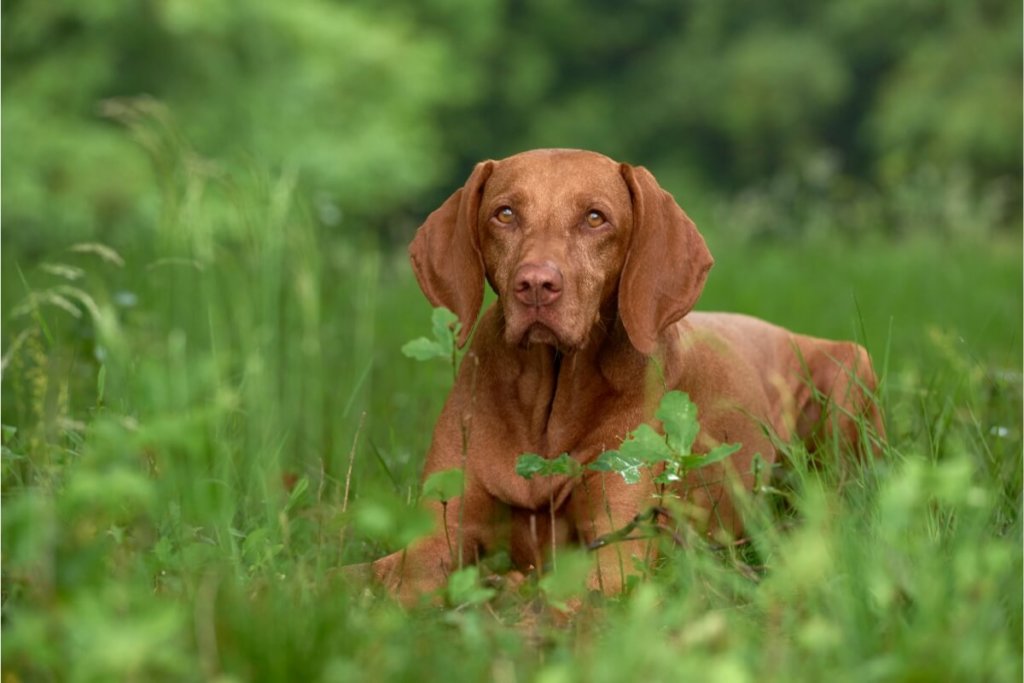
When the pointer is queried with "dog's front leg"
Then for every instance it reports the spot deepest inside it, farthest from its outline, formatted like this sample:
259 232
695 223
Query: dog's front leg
460 534
607 512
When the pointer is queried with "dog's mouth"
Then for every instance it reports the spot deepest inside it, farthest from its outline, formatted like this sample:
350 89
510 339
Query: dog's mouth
539 333
527 326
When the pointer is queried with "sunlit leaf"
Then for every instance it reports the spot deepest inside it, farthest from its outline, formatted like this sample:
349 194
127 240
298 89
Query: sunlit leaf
613 461
678 415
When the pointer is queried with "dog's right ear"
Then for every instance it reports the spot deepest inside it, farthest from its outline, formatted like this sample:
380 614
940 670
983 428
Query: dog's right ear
446 254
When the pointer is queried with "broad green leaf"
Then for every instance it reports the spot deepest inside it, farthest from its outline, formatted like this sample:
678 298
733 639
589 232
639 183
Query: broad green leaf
424 349
645 445
678 415
446 327
604 462
464 588
716 454
529 464
444 485
613 461
564 464
720 452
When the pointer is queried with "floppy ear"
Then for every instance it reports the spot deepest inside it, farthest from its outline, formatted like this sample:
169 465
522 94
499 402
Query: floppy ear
666 265
446 256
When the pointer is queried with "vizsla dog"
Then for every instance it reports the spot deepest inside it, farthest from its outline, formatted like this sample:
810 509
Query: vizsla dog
596 269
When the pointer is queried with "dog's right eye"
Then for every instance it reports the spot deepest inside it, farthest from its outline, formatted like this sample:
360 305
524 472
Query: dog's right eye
595 218
505 214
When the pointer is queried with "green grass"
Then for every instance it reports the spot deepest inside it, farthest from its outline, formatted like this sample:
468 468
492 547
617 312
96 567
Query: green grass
175 465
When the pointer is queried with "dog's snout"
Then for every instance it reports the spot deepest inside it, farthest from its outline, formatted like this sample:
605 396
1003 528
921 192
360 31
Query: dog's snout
538 284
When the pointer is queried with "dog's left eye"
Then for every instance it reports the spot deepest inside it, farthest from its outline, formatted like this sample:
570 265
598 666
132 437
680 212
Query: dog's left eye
596 219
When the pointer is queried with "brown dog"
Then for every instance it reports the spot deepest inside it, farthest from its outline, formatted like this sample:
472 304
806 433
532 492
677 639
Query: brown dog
596 269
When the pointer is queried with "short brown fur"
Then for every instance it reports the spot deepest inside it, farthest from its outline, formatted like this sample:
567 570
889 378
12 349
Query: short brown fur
592 324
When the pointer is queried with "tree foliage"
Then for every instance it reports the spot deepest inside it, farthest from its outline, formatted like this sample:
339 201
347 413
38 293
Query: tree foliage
380 109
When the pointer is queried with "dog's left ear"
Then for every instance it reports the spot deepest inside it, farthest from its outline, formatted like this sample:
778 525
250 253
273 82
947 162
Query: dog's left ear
445 252
666 265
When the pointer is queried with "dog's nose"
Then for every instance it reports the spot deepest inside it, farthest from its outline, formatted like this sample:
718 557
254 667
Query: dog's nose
538 284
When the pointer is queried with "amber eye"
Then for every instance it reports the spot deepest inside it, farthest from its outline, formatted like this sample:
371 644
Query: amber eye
505 214
596 219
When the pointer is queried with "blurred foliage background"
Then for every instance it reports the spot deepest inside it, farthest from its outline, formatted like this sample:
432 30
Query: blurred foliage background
380 109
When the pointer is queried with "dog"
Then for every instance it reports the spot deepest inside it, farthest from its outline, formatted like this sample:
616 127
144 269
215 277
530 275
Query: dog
596 269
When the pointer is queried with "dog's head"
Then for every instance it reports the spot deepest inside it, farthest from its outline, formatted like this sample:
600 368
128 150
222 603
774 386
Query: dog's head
568 239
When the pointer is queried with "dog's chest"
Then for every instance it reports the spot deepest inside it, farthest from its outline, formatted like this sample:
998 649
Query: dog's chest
581 440
536 493
549 406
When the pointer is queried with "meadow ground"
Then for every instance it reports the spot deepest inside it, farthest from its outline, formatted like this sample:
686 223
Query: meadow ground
180 414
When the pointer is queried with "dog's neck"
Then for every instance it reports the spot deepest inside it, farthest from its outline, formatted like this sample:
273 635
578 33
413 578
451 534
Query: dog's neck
555 384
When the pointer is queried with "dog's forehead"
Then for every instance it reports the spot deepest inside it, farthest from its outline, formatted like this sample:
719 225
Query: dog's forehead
558 174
